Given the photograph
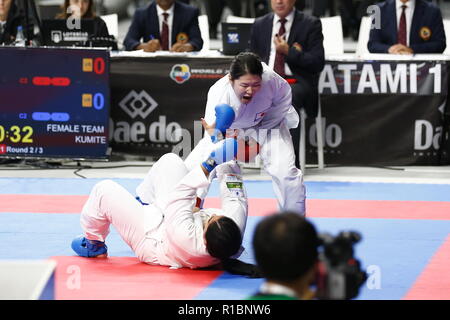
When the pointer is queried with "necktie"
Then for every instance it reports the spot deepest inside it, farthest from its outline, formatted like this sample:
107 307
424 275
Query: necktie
279 57
402 27
165 33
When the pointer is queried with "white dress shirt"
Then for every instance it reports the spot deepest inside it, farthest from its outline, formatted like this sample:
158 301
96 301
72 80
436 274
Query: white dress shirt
160 12
275 29
409 12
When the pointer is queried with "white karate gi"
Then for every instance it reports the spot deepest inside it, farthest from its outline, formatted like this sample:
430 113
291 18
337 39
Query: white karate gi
165 232
267 119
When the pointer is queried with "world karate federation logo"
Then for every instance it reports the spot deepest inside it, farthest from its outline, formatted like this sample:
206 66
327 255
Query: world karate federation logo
138 104
233 37
180 73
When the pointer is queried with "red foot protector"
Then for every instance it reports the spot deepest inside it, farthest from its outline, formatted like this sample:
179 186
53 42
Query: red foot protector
125 278
434 282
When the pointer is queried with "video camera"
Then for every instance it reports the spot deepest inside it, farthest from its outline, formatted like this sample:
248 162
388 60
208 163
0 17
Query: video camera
339 274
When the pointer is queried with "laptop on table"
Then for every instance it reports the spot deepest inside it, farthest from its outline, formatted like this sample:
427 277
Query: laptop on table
65 33
235 37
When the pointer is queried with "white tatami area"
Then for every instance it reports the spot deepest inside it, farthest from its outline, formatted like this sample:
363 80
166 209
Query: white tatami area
137 169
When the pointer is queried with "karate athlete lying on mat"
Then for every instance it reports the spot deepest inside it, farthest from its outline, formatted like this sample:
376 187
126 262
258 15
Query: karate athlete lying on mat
160 225
262 103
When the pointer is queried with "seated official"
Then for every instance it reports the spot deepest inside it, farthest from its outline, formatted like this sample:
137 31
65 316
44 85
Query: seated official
285 246
10 20
291 43
165 25
408 27
85 9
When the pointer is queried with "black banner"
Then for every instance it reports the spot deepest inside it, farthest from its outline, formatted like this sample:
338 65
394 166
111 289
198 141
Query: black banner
384 77
381 113
154 98
374 112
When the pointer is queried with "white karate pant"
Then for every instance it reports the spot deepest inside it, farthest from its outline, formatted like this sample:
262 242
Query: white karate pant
109 203
277 155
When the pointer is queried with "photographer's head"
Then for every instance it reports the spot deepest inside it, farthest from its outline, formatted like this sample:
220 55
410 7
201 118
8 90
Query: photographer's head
285 247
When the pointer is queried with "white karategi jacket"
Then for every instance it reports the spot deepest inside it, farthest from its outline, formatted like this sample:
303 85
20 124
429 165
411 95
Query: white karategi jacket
166 231
269 107
266 119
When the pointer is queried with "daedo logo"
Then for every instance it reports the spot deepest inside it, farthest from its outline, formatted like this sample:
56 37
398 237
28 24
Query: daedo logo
426 136
134 131
180 73
332 134
138 104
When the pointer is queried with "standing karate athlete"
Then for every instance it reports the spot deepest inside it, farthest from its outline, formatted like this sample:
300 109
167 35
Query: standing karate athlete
262 103
160 225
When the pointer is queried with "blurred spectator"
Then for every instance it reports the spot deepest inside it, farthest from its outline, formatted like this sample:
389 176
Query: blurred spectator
352 12
214 10
165 25
86 10
10 19
319 8
399 33
286 252
301 4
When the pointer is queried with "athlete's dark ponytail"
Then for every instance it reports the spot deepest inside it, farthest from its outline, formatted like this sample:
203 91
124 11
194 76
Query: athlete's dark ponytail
223 240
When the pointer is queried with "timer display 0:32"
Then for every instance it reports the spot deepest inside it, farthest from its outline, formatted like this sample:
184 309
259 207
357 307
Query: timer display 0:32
16 134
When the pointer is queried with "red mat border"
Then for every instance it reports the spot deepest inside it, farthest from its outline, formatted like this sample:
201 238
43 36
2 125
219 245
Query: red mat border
125 278
434 281
316 208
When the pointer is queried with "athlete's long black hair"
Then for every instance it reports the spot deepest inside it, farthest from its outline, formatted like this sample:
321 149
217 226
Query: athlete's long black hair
223 240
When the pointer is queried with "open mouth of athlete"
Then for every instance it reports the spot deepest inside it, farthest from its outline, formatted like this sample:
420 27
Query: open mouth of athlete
247 98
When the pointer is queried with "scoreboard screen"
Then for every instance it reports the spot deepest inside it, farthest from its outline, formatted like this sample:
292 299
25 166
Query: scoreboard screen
54 103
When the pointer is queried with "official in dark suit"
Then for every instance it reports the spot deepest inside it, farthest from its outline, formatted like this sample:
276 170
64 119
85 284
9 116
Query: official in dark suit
298 55
408 27
165 25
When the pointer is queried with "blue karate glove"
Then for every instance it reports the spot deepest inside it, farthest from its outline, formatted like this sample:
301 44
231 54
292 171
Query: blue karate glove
224 118
226 150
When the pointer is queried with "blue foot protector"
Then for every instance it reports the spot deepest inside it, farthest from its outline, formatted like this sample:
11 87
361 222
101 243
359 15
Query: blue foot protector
88 248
